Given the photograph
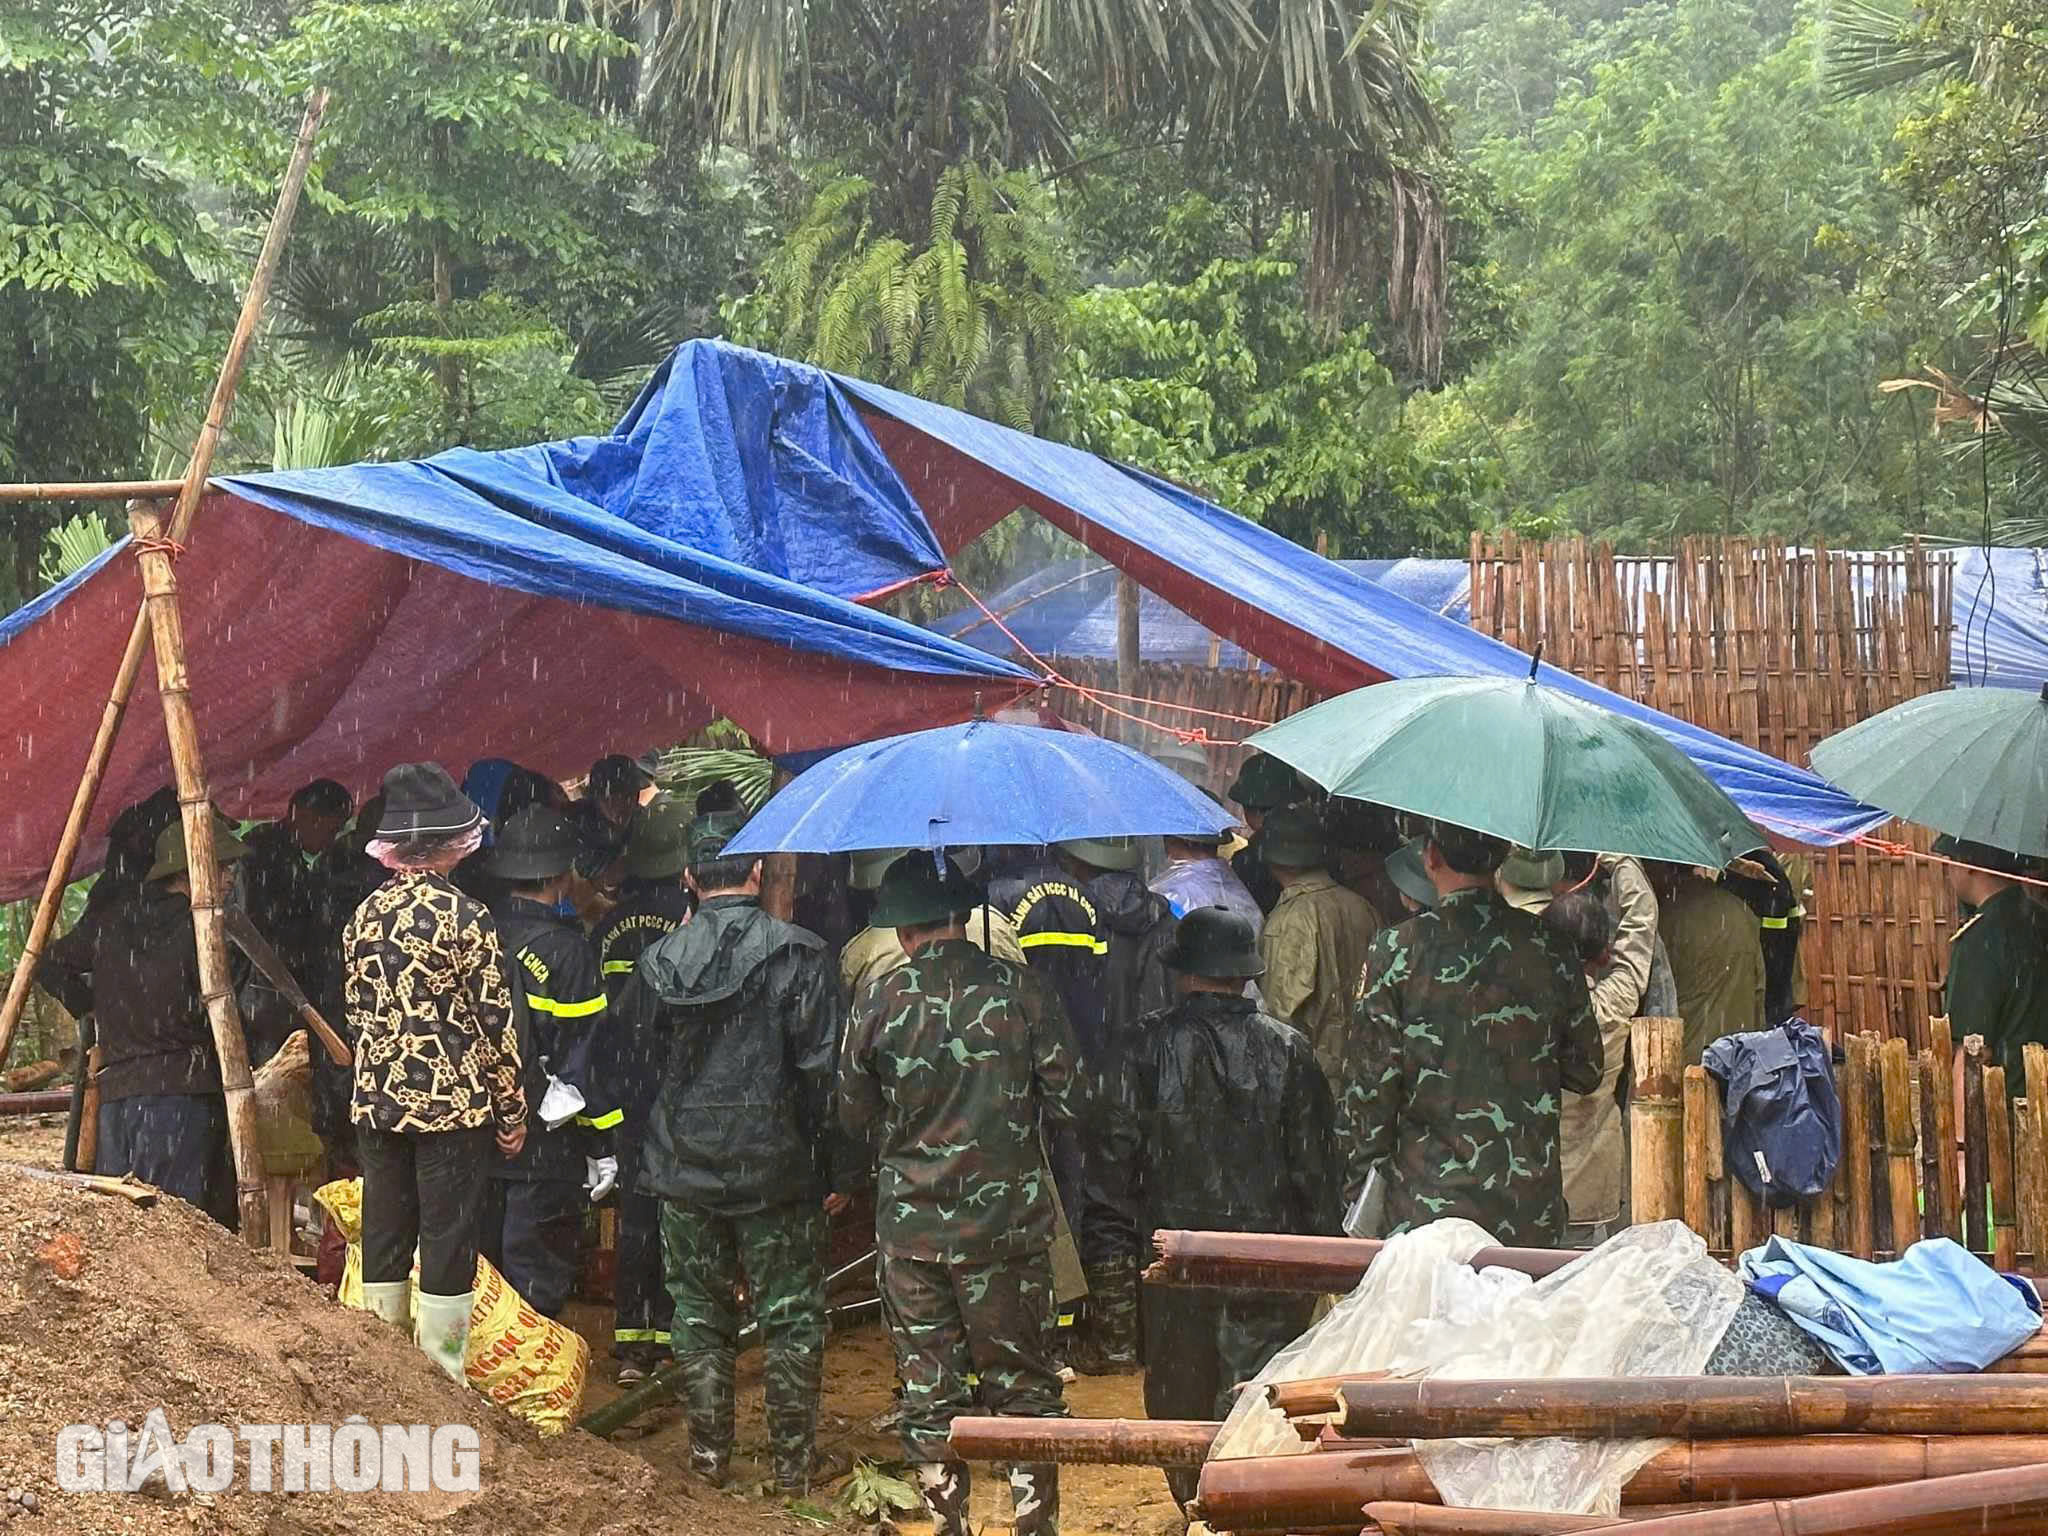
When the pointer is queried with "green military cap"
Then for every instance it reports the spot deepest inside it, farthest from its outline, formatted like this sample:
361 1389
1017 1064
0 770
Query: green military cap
1999 861
866 868
536 844
1293 839
710 833
1215 942
1265 783
1526 876
659 846
1411 879
170 849
919 889
1185 759
1105 852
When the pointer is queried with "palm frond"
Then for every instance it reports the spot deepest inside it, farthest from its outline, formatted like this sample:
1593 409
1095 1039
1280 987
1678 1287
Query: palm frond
684 771
1875 45
70 547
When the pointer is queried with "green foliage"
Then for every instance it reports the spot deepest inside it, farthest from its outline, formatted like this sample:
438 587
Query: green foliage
874 1495
685 771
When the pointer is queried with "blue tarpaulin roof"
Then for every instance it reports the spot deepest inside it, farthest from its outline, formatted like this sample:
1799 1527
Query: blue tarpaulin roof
1331 627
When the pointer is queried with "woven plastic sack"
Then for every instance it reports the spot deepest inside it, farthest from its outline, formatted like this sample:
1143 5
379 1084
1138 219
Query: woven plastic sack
527 1364
1648 1302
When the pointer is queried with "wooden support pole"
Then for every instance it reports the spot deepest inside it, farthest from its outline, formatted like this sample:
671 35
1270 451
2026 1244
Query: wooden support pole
1656 1121
1695 1407
1895 1069
2032 1172
2000 1503
1700 1112
1859 1066
202 872
189 491
1326 1489
2028 1191
1084 1442
1976 1149
1938 1126
90 490
1129 650
1266 1261
2005 1243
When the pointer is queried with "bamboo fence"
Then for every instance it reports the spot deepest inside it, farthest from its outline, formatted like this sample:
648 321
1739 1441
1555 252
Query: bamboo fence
1776 648
1892 1186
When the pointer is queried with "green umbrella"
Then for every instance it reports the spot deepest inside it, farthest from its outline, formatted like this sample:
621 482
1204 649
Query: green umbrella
1970 761
1520 760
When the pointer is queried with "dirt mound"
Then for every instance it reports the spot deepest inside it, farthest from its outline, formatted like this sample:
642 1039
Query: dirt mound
107 1312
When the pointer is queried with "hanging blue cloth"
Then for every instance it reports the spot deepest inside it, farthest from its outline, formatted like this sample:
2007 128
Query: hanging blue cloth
1937 1309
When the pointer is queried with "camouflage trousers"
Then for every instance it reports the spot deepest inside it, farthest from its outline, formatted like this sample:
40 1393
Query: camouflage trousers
782 1253
1199 1345
967 1334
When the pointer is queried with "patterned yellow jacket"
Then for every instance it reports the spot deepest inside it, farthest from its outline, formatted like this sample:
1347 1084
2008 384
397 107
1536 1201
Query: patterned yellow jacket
436 1043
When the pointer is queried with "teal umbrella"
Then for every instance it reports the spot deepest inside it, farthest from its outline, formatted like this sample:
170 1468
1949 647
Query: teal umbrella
1520 760
1971 761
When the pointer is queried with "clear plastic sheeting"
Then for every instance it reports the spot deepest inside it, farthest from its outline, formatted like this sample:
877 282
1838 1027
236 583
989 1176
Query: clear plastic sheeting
1648 1302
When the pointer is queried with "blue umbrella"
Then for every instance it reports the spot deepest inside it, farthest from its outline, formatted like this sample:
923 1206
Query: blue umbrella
979 783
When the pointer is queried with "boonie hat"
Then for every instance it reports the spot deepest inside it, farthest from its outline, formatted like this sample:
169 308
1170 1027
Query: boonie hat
536 844
919 889
1215 942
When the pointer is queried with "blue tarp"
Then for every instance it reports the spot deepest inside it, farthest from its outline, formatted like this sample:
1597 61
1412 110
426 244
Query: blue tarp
1311 618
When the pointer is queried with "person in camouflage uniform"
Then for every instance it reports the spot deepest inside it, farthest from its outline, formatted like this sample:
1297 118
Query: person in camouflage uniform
953 1066
1473 1020
734 1022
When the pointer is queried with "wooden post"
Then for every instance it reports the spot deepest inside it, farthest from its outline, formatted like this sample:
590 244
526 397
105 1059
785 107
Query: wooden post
1719 1185
2027 1188
2005 1243
2033 1170
1656 1121
1699 1117
203 876
1976 1151
1859 1061
1128 649
1938 1124
778 871
190 489
1896 1071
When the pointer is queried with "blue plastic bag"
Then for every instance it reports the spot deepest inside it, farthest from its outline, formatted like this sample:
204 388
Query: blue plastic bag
1781 1122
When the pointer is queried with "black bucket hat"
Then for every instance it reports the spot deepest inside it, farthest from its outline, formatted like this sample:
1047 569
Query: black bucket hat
1998 861
1293 839
422 802
1265 783
1215 942
917 890
617 774
536 844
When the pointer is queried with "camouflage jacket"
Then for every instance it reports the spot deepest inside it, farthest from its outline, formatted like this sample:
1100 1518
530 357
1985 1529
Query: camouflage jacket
1473 1021
951 1063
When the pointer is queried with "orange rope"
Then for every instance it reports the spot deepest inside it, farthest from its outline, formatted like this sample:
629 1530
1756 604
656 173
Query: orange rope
155 544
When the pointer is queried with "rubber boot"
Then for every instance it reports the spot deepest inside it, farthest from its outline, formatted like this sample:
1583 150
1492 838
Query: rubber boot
444 1330
1108 1344
1035 1499
945 1486
792 1380
707 1400
390 1300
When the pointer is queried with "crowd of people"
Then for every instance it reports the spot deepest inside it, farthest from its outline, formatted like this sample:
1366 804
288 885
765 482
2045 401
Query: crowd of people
1346 1021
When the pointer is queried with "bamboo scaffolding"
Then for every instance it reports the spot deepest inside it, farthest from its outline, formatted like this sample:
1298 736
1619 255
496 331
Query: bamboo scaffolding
1328 1488
189 491
1992 1503
1694 1407
1262 1261
90 490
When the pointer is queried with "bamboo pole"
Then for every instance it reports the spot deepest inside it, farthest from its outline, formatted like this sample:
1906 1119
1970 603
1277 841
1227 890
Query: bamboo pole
2033 1171
189 490
1859 1063
1435 1520
1976 1149
90 490
1328 1488
1939 1127
1699 1117
1656 1122
2005 1243
1694 1407
1266 1261
1994 1503
2028 1171
1896 1071
1084 1442
1313 1395
202 872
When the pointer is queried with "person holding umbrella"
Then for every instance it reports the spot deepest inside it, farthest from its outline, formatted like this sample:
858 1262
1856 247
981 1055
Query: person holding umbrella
1473 1020
1997 983
955 1066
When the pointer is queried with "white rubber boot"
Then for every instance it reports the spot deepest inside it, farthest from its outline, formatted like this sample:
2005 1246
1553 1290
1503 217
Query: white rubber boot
390 1300
444 1330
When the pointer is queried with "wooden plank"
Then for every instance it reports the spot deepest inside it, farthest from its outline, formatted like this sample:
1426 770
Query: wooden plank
1940 1114
2005 1245
1859 1060
1976 1149
1895 1070
1699 1115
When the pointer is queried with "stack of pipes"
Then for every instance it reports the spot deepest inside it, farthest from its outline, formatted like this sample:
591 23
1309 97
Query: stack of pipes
1789 1456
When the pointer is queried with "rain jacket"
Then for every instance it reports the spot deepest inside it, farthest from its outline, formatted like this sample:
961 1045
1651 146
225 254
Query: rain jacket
734 1020
1314 945
1226 1123
1062 939
1139 925
565 1031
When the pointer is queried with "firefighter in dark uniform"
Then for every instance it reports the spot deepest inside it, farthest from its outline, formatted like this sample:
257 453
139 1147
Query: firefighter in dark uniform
533 1217
1063 940
653 902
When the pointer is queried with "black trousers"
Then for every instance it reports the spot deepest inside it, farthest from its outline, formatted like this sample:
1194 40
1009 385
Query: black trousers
532 1230
1200 1345
424 1188
640 1291
176 1141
